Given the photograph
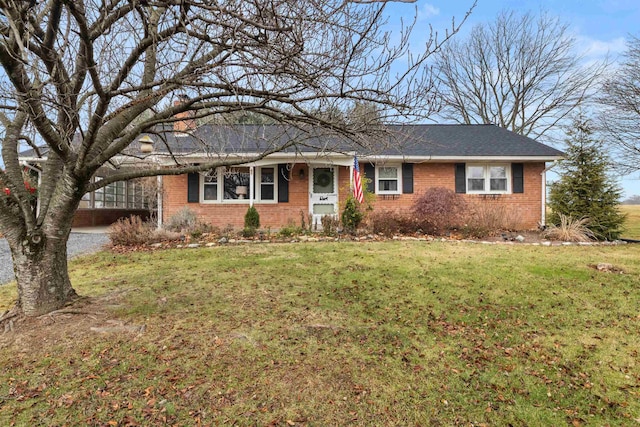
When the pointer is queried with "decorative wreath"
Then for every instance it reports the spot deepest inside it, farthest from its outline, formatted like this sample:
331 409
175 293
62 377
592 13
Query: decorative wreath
323 179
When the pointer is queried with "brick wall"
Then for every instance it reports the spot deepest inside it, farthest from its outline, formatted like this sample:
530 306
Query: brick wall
526 206
273 215
100 217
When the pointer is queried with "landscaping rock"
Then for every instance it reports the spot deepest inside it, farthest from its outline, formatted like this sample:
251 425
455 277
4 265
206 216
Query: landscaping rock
223 240
604 266
520 238
193 245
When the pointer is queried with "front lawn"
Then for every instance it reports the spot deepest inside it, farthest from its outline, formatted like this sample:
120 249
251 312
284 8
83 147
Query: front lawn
386 333
632 224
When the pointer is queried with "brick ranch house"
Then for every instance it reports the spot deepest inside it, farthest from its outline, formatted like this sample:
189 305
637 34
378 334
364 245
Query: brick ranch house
486 163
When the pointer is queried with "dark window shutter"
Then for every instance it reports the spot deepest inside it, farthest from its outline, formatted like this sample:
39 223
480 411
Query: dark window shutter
370 174
461 178
407 178
193 188
283 183
517 175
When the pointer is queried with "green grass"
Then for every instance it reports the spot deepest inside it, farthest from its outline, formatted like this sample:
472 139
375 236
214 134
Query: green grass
393 333
632 224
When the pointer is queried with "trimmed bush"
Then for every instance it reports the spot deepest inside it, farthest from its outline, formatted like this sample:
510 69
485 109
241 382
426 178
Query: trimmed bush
388 223
439 210
352 216
248 232
252 218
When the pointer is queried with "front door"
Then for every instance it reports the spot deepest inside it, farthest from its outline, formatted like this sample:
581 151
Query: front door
323 194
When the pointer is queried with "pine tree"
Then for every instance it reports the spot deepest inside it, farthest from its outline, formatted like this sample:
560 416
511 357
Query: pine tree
585 190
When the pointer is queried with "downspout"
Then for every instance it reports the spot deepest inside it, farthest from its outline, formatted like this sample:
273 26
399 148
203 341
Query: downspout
543 214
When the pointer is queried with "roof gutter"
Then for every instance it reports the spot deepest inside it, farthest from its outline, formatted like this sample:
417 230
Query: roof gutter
319 157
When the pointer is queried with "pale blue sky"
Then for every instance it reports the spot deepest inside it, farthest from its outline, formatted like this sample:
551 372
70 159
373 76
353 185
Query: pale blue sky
600 27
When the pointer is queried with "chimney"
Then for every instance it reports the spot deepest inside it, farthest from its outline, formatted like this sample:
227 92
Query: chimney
186 122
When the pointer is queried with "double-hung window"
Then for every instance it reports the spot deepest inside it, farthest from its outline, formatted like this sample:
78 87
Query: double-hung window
267 184
388 179
210 186
488 179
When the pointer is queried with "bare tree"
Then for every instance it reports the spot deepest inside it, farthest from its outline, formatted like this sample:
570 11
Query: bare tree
81 80
620 119
520 72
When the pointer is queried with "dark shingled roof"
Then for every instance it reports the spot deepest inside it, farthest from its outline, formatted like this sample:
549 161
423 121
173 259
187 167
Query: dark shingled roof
444 141
407 140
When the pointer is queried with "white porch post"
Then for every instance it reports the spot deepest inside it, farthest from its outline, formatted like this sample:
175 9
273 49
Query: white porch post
251 186
351 177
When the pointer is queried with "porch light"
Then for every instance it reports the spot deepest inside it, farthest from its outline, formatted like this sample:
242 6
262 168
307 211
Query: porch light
146 144
301 174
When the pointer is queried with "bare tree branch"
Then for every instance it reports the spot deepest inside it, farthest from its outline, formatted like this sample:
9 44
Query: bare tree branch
84 79
620 120
520 72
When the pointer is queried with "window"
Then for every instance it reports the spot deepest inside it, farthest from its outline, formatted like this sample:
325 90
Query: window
498 178
234 185
210 186
114 195
267 183
134 194
487 179
388 180
323 180
86 201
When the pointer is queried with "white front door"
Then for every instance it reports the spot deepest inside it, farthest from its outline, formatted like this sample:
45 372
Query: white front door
323 193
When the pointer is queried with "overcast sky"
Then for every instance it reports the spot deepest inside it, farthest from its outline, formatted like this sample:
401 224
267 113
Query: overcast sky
600 27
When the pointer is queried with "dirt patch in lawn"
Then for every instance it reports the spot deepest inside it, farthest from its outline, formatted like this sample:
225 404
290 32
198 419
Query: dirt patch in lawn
82 317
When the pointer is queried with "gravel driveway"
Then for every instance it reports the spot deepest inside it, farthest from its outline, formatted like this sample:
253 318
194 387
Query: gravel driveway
78 244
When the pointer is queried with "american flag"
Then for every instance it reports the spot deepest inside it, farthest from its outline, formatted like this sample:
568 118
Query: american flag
357 181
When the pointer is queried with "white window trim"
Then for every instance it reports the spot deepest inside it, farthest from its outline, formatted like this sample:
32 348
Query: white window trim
258 181
256 191
487 178
398 167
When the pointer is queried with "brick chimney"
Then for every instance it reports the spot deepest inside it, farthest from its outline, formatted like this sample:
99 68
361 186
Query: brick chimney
187 122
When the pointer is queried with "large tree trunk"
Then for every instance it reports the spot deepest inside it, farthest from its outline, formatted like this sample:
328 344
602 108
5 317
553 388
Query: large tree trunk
40 267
